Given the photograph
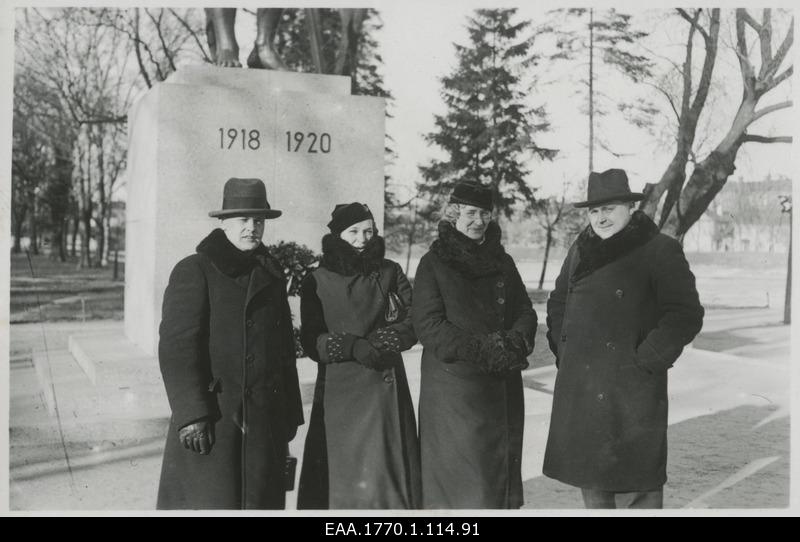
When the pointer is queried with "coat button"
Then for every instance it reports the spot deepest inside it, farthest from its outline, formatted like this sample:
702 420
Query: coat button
248 392
249 358
249 323
500 283
611 346
571 289
564 338
501 300
600 396
388 378
619 293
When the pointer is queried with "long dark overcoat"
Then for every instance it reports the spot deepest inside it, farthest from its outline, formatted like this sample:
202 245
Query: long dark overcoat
616 324
226 352
362 450
471 423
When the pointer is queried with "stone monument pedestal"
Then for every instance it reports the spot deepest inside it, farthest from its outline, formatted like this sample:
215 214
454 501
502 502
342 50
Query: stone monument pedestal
309 140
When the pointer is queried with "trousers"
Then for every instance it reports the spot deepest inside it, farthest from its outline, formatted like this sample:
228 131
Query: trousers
596 498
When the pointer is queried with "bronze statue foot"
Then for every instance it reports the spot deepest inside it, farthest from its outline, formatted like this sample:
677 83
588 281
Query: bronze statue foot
264 57
228 58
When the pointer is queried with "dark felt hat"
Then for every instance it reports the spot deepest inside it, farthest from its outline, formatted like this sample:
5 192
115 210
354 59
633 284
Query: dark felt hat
610 185
345 215
472 193
245 197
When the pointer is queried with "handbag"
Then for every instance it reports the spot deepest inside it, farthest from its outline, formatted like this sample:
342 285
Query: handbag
395 308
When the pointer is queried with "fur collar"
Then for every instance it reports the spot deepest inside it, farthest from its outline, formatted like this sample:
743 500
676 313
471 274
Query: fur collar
465 255
233 262
340 257
596 252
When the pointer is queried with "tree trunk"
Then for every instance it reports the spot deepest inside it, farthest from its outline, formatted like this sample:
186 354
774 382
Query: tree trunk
86 236
673 179
19 223
76 224
706 181
411 232
674 175
101 255
33 229
62 240
710 175
591 91
547 243
787 304
107 238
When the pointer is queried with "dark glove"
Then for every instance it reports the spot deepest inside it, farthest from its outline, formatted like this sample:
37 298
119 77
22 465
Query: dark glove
385 339
496 357
516 344
367 355
197 437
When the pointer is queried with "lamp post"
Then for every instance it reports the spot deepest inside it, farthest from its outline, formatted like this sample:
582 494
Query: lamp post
786 207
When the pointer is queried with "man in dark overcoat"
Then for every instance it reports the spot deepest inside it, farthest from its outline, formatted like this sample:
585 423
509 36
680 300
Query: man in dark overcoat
226 351
623 308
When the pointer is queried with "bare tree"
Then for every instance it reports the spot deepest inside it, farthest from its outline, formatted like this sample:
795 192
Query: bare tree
686 201
555 215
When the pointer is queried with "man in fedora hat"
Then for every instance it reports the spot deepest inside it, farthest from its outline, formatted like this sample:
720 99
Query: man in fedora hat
623 308
226 351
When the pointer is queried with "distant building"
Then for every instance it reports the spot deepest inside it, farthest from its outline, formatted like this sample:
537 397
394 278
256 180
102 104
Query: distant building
744 217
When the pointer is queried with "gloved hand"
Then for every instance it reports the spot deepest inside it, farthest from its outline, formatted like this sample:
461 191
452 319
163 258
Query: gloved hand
367 355
197 437
517 346
496 357
385 339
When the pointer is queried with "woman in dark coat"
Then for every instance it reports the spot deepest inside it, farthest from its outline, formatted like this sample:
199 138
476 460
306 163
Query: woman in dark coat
362 449
477 325
623 307
226 351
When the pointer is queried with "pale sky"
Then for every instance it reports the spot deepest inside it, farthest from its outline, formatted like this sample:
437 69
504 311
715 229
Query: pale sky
415 63
416 44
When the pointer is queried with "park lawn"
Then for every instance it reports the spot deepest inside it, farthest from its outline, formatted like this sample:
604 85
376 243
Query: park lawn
45 289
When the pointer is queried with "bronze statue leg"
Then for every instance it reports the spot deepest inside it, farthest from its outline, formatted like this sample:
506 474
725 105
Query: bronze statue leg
263 55
225 51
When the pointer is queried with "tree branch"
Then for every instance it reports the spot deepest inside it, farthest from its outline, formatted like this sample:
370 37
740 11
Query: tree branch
687 66
121 119
765 37
704 85
778 80
752 138
693 21
747 18
138 50
748 73
164 47
769 109
775 63
192 33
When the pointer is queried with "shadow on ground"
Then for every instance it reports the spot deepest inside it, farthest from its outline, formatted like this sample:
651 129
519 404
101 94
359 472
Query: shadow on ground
709 466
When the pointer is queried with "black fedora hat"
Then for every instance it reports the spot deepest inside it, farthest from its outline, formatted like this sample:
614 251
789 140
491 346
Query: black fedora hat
610 185
245 197
472 193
